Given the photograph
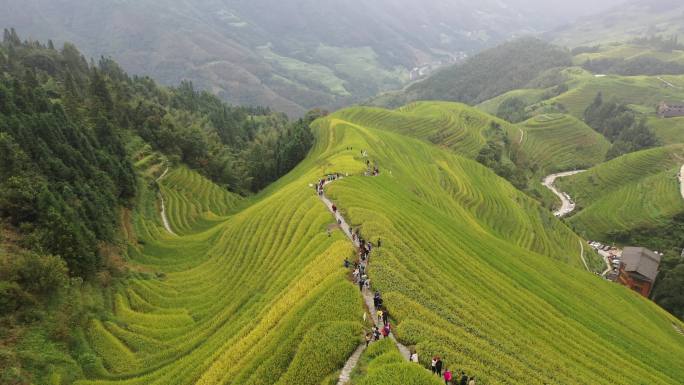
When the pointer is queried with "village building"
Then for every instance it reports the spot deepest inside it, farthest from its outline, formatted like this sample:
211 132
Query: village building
638 269
670 110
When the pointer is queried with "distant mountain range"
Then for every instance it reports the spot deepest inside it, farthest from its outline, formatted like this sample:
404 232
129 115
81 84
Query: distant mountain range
290 55
623 23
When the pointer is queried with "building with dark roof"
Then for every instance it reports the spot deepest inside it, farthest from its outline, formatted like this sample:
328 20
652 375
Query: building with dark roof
669 110
639 269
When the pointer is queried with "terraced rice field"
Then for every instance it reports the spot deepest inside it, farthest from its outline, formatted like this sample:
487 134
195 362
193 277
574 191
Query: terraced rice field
470 269
561 143
643 92
638 190
259 297
668 131
460 289
194 203
630 52
453 125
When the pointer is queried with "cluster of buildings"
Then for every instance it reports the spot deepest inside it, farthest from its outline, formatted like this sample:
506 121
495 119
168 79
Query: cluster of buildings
670 110
424 70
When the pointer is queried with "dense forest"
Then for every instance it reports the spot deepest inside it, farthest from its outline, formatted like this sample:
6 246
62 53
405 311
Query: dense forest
65 173
620 126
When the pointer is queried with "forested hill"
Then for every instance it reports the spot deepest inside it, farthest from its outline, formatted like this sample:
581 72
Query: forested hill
67 127
290 55
493 72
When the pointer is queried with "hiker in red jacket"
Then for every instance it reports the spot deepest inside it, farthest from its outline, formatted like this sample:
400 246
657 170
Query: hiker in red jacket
447 376
386 330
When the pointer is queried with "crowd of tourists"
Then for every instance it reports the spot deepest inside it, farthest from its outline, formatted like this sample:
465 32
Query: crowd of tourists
453 378
359 269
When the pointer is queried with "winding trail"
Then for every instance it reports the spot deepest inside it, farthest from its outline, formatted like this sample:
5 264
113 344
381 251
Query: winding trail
568 206
165 220
584 260
522 135
353 360
666 82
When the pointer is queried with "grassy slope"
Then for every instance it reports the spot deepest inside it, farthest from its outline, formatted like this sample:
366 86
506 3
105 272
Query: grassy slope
260 297
643 93
460 289
194 203
638 190
628 52
561 143
243 299
456 126
669 131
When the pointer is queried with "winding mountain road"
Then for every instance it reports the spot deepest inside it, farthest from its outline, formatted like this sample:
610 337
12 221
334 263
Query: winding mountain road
667 83
567 206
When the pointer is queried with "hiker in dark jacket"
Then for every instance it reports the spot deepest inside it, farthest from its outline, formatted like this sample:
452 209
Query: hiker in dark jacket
438 367
376 333
464 379
385 317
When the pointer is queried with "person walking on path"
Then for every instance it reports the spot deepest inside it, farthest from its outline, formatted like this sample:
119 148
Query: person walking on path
447 376
414 357
386 330
385 317
472 381
464 379
376 333
368 338
438 367
433 363
379 314
361 282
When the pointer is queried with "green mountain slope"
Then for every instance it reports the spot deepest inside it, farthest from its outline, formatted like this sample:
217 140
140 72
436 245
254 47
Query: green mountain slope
561 143
637 191
456 126
488 74
194 201
467 262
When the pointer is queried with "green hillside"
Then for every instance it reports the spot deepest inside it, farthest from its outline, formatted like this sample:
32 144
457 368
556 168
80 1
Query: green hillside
194 201
488 74
636 191
668 131
642 92
629 52
456 126
561 143
467 262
